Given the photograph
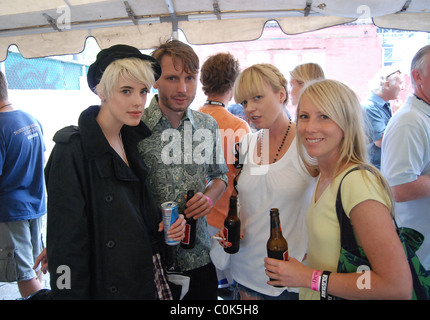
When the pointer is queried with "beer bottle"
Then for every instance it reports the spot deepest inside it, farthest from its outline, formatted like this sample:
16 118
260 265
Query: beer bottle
277 246
189 240
232 227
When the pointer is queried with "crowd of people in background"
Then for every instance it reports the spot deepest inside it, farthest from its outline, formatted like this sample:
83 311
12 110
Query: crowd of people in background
107 178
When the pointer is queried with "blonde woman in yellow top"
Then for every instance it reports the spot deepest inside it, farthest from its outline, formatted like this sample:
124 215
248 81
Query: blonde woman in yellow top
330 135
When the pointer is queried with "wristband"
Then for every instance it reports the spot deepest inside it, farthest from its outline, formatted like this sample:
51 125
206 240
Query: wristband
209 199
316 278
324 285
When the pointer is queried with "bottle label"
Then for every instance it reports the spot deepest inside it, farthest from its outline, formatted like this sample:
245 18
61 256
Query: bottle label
233 237
226 233
187 237
280 255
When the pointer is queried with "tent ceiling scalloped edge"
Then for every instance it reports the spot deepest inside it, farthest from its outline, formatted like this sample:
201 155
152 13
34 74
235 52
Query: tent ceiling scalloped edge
56 27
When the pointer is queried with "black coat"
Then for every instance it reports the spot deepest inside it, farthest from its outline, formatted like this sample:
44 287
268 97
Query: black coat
102 219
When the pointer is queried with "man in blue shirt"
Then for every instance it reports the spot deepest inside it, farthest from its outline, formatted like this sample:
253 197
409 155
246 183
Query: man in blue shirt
386 85
22 194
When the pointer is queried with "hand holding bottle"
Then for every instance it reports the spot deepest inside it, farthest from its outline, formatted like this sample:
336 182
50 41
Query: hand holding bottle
220 236
291 273
277 245
189 240
198 206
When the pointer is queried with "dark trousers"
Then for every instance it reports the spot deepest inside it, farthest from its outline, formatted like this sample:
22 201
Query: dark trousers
203 283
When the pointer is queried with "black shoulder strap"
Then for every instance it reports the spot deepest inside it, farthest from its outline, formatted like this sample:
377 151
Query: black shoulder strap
347 237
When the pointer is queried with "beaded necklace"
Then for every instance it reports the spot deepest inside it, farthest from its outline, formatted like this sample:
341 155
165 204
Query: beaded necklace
280 147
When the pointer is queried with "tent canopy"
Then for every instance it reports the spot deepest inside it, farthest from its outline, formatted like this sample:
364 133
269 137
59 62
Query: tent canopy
55 27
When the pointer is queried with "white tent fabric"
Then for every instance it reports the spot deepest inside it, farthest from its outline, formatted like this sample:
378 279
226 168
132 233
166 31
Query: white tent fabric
54 27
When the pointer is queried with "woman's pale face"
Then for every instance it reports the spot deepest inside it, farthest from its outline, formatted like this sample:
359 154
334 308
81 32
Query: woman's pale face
295 88
264 109
126 103
320 135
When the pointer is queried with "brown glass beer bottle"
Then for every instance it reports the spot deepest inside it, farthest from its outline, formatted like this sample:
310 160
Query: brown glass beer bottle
189 240
232 227
277 246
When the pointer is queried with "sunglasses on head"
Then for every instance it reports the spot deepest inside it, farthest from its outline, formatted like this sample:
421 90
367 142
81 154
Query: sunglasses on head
397 71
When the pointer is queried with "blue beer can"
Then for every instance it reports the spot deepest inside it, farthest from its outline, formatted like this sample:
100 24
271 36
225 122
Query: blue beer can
170 214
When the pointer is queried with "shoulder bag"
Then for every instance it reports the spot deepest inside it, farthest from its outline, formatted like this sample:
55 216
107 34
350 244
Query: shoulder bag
352 256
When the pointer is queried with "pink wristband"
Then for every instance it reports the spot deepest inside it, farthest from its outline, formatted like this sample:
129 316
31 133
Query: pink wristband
315 283
209 199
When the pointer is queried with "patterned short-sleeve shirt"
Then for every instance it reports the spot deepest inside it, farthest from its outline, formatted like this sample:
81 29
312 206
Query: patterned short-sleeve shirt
180 159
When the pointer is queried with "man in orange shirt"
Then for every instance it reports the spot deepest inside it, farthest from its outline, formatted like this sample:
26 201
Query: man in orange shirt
217 76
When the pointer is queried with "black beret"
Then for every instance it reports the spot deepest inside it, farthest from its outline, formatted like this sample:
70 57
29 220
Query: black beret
109 55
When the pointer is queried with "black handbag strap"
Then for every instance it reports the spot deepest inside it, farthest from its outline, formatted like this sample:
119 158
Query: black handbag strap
347 236
349 243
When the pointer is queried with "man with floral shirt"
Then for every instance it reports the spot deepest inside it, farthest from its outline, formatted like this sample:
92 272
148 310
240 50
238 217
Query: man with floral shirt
184 153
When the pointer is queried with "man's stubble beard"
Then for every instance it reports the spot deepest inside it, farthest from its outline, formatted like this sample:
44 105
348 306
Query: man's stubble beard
169 103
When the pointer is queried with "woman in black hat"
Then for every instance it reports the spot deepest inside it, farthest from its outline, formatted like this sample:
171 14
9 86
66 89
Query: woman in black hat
104 238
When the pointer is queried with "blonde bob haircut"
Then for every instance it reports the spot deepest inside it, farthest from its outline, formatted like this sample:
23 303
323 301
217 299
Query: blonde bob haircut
338 102
133 69
250 82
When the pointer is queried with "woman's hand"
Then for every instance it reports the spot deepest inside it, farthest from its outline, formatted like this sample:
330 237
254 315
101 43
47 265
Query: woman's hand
291 273
222 240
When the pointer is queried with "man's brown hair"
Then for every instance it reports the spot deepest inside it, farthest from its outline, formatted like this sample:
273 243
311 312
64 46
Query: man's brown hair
181 51
218 73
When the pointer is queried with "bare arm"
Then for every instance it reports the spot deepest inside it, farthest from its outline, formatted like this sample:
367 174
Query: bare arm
390 276
414 190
